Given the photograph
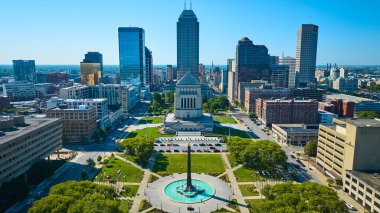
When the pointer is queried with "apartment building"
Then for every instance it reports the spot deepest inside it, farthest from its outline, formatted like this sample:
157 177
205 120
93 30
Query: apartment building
292 111
263 92
348 144
25 141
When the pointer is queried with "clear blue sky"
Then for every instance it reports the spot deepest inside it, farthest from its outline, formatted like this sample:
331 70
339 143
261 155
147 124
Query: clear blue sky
61 32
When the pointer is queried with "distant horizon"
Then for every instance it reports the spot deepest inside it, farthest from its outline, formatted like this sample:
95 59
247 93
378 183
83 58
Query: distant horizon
52 32
318 65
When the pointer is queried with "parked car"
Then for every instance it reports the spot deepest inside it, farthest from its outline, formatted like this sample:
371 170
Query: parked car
195 144
212 147
176 150
162 144
351 207
168 150
218 144
216 150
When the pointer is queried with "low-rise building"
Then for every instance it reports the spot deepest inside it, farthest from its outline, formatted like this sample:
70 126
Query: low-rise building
79 124
361 104
287 111
339 107
325 117
364 187
25 141
21 91
348 144
295 134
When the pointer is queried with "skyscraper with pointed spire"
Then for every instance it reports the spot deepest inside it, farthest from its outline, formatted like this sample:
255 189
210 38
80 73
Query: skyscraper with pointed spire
187 43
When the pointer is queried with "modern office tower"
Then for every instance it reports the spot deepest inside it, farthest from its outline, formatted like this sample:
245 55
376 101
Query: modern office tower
169 73
306 54
27 141
132 55
280 75
94 57
263 92
231 66
348 144
224 81
24 70
20 91
291 63
187 44
90 73
281 111
79 124
274 60
252 63
148 66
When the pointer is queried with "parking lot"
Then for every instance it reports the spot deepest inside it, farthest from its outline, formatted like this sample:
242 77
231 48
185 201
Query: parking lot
181 147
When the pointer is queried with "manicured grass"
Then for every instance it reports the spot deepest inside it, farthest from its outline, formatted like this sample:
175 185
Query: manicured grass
245 174
128 157
234 132
249 190
232 160
167 164
129 190
224 120
151 120
125 205
151 132
128 173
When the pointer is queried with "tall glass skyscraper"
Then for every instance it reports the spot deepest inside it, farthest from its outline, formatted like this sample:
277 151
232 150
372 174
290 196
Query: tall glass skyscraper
306 55
24 70
187 44
149 66
132 55
94 57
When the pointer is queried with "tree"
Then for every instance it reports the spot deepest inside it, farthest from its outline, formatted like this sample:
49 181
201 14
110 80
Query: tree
292 175
311 148
330 181
305 197
99 158
91 162
368 114
252 116
73 196
84 175
139 148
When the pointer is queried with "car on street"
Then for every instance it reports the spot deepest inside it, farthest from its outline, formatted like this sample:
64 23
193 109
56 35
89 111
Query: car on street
212 147
168 150
195 144
216 150
218 144
351 207
162 144
176 150
202 144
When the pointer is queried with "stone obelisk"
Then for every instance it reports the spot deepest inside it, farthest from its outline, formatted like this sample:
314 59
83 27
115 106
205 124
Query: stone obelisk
189 185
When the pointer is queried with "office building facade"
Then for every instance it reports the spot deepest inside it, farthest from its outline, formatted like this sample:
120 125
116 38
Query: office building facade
94 57
306 54
90 73
20 91
263 92
290 62
148 66
187 44
34 139
24 70
132 55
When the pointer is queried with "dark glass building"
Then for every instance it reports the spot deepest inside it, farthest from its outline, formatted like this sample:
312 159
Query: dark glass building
24 70
252 63
187 44
94 57
149 66
132 55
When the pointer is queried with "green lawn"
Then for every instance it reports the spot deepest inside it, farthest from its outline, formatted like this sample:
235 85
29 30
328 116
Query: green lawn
151 120
151 132
128 173
129 190
245 174
167 164
234 132
249 190
232 160
224 120
125 205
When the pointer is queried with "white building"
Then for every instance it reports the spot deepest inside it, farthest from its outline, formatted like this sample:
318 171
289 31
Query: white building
21 91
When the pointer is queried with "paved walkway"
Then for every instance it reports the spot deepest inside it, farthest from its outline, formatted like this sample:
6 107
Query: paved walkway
234 184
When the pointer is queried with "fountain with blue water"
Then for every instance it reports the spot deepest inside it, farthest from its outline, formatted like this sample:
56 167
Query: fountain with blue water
189 190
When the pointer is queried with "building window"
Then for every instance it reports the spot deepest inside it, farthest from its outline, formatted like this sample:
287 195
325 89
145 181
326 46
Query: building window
369 190
361 193
361 185
354 180
368 198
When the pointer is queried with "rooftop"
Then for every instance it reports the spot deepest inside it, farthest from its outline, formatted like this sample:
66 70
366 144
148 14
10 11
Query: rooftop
188 79
298 128
31 124
371 178
362 122
347 98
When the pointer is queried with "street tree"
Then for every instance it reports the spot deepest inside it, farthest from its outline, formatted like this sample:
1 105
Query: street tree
90 162
99 158
311 148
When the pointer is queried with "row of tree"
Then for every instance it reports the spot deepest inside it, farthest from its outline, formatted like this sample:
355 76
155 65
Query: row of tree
139 148
368 114
305 197
263 154
77 197
215 105
161 102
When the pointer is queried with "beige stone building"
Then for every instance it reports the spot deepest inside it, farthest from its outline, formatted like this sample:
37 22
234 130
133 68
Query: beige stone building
23 142
348 144
79 124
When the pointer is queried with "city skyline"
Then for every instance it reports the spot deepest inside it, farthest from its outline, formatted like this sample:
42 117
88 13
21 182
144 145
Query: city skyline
343 29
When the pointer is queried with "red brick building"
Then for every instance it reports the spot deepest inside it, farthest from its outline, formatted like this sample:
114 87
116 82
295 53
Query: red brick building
339 107
287 111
